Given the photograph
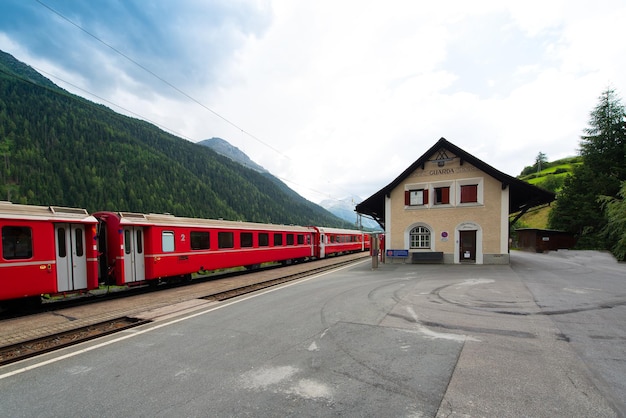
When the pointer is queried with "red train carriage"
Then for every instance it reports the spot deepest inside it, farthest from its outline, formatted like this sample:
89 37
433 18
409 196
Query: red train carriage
150 246
335 241
46 250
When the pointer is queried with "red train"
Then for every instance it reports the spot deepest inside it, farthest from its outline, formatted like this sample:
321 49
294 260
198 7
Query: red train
52 250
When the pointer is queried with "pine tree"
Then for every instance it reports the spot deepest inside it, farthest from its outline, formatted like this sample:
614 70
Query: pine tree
540 161
578 208
616 226
604 147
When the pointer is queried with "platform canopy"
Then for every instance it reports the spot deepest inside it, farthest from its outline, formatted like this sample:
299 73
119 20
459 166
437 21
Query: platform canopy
522 196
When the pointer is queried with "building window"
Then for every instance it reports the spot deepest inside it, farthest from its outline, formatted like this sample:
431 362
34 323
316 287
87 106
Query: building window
442 195
417 197
17 242
420 237
469 193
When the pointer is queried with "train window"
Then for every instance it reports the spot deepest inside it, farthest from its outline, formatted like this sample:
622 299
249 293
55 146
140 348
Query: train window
17 242
61 244
264 239
225 240
300 239
200 240
278 239
246 239
290 239
127 241
80 250
167 241
308 240
139 241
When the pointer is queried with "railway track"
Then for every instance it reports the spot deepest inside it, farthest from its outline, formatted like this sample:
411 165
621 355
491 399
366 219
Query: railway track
34 347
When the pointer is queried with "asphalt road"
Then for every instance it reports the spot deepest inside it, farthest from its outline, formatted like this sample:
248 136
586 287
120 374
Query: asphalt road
536 338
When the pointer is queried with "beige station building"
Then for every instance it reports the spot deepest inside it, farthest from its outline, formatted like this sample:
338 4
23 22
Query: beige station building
450 207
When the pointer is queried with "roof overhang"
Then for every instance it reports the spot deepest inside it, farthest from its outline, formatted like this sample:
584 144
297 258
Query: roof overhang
522 196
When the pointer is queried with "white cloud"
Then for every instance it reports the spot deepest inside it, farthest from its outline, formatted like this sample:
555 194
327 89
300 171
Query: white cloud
350 93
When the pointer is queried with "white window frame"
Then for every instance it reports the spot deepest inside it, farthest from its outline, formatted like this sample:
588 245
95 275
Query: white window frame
417 187
478 181
416 197
167 241
433 194
422 234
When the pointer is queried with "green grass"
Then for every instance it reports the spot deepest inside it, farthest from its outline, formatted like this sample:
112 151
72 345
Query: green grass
536 219
556 172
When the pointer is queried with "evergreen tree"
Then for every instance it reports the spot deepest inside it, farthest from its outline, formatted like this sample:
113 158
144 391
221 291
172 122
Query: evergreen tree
578 208
540 161
616 226
604 147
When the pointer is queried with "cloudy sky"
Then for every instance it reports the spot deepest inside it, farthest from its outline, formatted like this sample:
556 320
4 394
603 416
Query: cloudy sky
337 97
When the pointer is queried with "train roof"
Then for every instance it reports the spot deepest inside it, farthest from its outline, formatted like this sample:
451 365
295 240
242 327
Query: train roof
130 218
328 230
10 210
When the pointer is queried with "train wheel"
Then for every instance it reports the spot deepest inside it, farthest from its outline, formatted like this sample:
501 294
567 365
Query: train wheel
252 267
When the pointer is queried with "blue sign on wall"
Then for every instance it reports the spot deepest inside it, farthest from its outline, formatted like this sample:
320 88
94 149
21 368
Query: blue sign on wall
398 253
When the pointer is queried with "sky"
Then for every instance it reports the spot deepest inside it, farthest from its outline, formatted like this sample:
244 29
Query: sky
337 97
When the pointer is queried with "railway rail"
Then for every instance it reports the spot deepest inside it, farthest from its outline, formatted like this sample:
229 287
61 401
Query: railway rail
30 348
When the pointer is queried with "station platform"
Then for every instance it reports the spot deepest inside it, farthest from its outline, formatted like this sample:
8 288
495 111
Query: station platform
150 305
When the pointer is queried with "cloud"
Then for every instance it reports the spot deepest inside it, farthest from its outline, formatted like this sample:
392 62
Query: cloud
338 98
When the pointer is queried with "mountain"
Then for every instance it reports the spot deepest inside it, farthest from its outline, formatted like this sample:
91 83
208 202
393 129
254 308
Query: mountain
344 209
224 148
57 148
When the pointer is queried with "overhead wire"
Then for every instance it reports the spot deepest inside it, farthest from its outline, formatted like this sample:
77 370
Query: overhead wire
117 51
188 96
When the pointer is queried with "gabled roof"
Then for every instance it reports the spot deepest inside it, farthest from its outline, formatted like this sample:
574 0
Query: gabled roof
522 196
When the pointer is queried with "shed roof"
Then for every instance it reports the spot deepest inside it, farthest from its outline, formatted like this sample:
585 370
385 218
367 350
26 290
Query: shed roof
522 196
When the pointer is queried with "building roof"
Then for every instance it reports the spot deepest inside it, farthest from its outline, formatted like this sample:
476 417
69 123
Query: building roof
522 196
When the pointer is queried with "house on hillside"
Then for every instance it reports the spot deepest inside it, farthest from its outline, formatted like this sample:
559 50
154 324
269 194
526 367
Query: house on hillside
450 207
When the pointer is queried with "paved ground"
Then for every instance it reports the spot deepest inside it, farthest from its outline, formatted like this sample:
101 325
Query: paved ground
146 306
543 337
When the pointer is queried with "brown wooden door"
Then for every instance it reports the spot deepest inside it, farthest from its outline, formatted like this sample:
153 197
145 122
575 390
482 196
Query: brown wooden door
467 246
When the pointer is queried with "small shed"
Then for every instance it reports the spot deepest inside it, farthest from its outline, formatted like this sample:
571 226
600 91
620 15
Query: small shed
540 240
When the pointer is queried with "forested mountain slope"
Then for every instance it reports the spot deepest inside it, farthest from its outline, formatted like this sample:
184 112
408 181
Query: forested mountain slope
59 149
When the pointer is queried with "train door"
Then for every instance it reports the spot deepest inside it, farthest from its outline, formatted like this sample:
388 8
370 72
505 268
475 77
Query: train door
322 245
134 264
71 261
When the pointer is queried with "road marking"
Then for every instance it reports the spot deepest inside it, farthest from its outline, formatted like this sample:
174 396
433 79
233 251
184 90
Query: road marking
161 325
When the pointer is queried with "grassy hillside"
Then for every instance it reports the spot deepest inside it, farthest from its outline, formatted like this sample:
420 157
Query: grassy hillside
550 178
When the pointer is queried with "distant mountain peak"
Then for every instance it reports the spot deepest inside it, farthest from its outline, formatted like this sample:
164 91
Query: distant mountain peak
225 148
345 209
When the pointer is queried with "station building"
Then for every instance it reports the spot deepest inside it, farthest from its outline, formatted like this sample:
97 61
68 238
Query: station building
450 207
